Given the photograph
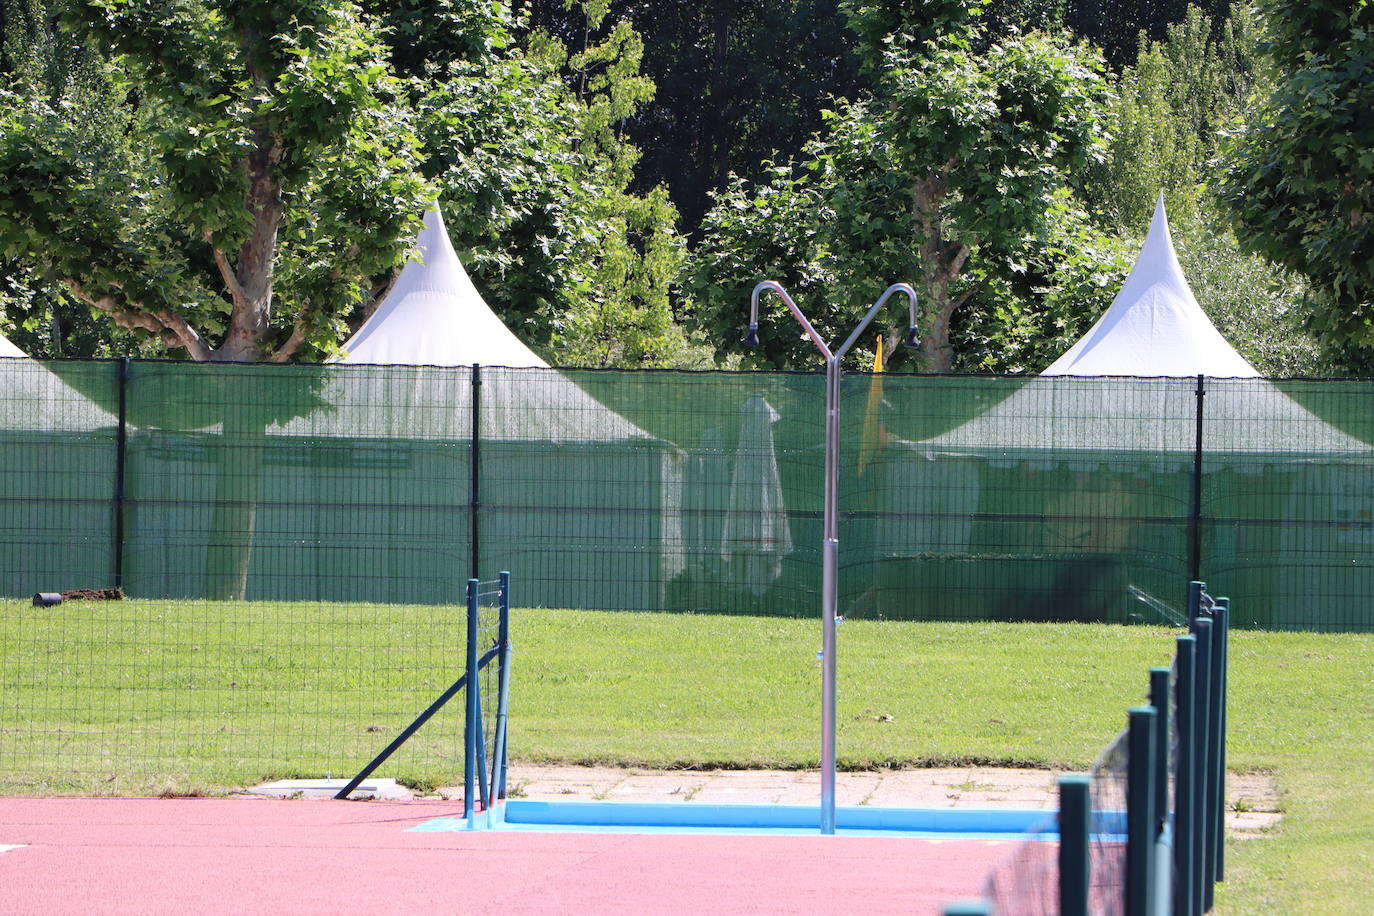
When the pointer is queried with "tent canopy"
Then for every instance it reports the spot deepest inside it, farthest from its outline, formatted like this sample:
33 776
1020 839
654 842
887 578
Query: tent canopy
8 349
434 316
1155 326
1153 329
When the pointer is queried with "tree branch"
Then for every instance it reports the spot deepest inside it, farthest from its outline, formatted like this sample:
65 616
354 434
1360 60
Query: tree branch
379 292
293 343
964 296
226 272
186 335
956 263
164 322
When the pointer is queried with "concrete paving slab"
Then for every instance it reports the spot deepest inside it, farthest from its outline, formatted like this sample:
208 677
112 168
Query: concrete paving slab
328 788
1254 797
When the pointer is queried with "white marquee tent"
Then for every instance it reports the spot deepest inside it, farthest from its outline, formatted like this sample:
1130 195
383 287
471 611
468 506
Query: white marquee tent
434 316
1153 329
578 502
1079 442
8 349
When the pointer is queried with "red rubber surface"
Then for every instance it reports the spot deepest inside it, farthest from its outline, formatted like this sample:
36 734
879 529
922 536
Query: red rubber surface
252 855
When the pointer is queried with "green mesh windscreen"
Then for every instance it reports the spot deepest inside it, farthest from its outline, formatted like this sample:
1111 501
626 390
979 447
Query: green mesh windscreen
297 483
725 496
964 498
1014 499
1288 502
58 453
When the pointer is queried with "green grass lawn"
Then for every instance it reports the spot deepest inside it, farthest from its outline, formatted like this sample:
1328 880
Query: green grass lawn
140 696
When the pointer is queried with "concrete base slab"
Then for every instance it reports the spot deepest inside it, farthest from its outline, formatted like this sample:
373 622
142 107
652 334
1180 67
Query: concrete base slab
328 788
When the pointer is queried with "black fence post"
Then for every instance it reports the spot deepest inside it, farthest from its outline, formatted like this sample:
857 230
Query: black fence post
1075 829
1159 698
1222 615
1195 590
1195 528
1202 765
121 449
475 482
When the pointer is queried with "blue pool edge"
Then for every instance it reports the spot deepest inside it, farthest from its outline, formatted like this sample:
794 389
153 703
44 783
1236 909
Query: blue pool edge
795 820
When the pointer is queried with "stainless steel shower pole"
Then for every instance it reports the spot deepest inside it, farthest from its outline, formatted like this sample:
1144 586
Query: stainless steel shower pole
830 535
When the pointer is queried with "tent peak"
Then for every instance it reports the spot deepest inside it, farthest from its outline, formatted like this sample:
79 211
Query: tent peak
434 315
1155 326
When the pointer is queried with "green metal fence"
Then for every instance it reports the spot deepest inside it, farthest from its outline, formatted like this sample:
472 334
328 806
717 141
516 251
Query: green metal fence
962 497
1143 834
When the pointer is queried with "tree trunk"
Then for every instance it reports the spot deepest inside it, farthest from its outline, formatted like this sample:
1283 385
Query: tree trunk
942 262
238 461
250 283
238 478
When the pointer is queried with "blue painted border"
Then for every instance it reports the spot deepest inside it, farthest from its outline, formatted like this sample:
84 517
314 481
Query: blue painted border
685 817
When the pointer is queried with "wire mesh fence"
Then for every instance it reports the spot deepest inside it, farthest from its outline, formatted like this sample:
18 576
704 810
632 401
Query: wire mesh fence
177 696
962 498
1026 882
1107 847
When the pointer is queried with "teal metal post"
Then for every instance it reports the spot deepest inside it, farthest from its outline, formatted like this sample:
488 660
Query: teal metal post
1159 699
1222 616
470 736
1202 765
483 786
1213 775
498 763
1195 590
1075 826
1140 812
1186 900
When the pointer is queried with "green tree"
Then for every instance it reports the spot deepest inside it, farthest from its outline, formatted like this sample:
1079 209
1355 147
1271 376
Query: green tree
1022 319
1116 26
1171 112
1301 176
948 177
1256 305
38 62
263 156
272 164
525 139
738 82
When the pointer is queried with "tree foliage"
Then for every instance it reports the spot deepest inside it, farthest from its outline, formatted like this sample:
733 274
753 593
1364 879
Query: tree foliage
947 177
38 62
526 143
1172 111
1301 178
278 158
1116 26
738 82
1257 306
270 164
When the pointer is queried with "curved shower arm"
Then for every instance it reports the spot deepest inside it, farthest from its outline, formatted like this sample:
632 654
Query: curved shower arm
782 294
877 306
